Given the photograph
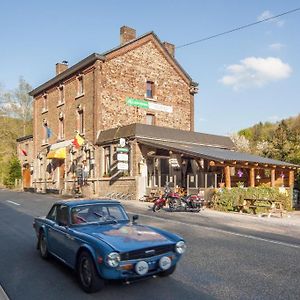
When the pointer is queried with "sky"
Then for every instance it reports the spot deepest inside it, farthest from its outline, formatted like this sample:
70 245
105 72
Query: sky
245 77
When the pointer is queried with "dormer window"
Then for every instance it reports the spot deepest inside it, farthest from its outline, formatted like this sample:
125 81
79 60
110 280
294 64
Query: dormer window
149 89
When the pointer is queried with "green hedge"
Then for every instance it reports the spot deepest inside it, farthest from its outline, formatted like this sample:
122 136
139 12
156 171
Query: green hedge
228 199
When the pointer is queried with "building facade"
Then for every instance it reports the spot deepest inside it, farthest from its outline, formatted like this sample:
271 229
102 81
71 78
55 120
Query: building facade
122 123
138 82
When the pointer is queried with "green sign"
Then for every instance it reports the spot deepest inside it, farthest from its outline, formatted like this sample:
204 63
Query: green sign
137 102
148 105
122 150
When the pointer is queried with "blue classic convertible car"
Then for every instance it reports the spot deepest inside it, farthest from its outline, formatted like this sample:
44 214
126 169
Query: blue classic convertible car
97 239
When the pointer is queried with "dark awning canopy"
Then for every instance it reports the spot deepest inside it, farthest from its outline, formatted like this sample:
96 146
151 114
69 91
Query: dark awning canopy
213 153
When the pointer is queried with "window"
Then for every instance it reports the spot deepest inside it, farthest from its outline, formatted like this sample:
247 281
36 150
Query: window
47 132
80 126
62 215
80 86
149 89
107 160
61 96
61 126
150 119
52 214
45 103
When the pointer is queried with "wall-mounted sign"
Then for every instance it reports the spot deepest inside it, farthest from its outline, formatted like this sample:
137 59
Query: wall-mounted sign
148 105
124 150
122 156
123 166
174 163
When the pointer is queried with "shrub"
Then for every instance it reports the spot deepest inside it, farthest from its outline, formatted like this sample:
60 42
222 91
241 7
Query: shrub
229 199
14 172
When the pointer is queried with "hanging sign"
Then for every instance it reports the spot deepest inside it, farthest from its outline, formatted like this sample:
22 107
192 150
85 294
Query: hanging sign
122 156
123 166
124 150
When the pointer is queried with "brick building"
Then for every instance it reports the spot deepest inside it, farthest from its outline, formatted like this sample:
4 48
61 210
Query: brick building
136 92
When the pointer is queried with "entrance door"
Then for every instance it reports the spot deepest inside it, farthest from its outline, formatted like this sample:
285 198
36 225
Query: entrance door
61 175
142 180
26 178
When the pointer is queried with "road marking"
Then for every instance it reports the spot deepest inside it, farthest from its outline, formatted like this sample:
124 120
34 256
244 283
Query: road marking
12 202
3 295
225 231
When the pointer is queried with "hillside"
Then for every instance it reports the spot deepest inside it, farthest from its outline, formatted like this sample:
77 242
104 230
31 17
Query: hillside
280 140
10 130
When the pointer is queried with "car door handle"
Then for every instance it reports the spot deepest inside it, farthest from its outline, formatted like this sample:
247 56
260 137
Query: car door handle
68 236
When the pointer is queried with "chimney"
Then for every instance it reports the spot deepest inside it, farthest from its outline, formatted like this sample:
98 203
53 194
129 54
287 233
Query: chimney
170 48
127 34
61 67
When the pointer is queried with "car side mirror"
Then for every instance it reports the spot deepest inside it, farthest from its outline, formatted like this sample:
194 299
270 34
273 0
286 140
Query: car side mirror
134 219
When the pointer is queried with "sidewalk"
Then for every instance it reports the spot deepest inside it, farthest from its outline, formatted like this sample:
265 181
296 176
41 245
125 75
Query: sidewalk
291 219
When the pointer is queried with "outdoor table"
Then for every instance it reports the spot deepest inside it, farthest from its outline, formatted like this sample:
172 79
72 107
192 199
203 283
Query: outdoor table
272 205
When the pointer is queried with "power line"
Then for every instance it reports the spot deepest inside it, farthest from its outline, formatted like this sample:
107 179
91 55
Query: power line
238 28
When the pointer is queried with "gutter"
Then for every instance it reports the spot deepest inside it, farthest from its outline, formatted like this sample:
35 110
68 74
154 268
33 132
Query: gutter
83 63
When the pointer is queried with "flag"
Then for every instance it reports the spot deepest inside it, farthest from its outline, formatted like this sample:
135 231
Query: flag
78 141
24 152
49 132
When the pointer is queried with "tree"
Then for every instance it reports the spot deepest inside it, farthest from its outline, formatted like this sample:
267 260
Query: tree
14 172
282 142
17 104
241 142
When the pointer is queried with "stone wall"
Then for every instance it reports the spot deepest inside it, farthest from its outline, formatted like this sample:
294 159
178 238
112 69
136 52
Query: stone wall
126 76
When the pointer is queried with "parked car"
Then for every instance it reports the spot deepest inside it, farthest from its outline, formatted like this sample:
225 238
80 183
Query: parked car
97 239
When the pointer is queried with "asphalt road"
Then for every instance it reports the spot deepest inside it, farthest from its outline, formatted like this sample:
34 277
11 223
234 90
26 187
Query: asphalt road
226 258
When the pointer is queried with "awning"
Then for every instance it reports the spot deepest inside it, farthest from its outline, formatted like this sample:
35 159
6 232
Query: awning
212 153
60 153
58 150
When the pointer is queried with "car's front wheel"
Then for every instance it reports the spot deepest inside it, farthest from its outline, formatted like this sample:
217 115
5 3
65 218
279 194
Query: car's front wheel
43 247
168 272
88 277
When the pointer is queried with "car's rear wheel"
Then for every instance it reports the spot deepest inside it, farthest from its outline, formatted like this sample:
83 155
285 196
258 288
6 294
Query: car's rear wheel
43 247
88 277
168 272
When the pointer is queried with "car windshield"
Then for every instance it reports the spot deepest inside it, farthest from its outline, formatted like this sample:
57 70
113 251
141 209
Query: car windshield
98 213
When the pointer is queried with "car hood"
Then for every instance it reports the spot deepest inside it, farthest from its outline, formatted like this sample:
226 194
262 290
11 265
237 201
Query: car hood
126 237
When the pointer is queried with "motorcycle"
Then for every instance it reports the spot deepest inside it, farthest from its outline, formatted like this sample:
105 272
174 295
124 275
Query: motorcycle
168 197
187 203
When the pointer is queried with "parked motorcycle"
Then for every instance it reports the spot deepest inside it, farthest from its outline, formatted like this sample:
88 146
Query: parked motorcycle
168 197
187 203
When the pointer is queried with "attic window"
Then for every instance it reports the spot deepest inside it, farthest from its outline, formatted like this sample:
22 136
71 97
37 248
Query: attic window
149 89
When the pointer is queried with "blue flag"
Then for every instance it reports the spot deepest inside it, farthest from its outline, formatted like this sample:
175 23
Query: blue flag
49 132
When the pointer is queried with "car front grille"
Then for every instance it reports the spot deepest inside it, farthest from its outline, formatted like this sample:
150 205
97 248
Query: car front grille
147 252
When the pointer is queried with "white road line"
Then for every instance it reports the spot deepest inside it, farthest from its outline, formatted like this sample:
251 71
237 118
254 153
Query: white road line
3 295
12 202
224 231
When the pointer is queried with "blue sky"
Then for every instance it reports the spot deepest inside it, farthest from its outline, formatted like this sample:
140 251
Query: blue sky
244 77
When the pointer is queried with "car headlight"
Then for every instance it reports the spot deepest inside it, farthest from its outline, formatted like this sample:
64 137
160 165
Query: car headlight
113 259
180 247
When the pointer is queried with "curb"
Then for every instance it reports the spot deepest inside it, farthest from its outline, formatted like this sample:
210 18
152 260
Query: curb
3 295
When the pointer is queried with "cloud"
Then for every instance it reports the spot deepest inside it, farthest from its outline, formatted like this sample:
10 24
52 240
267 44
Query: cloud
267 14
276 46
255 72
